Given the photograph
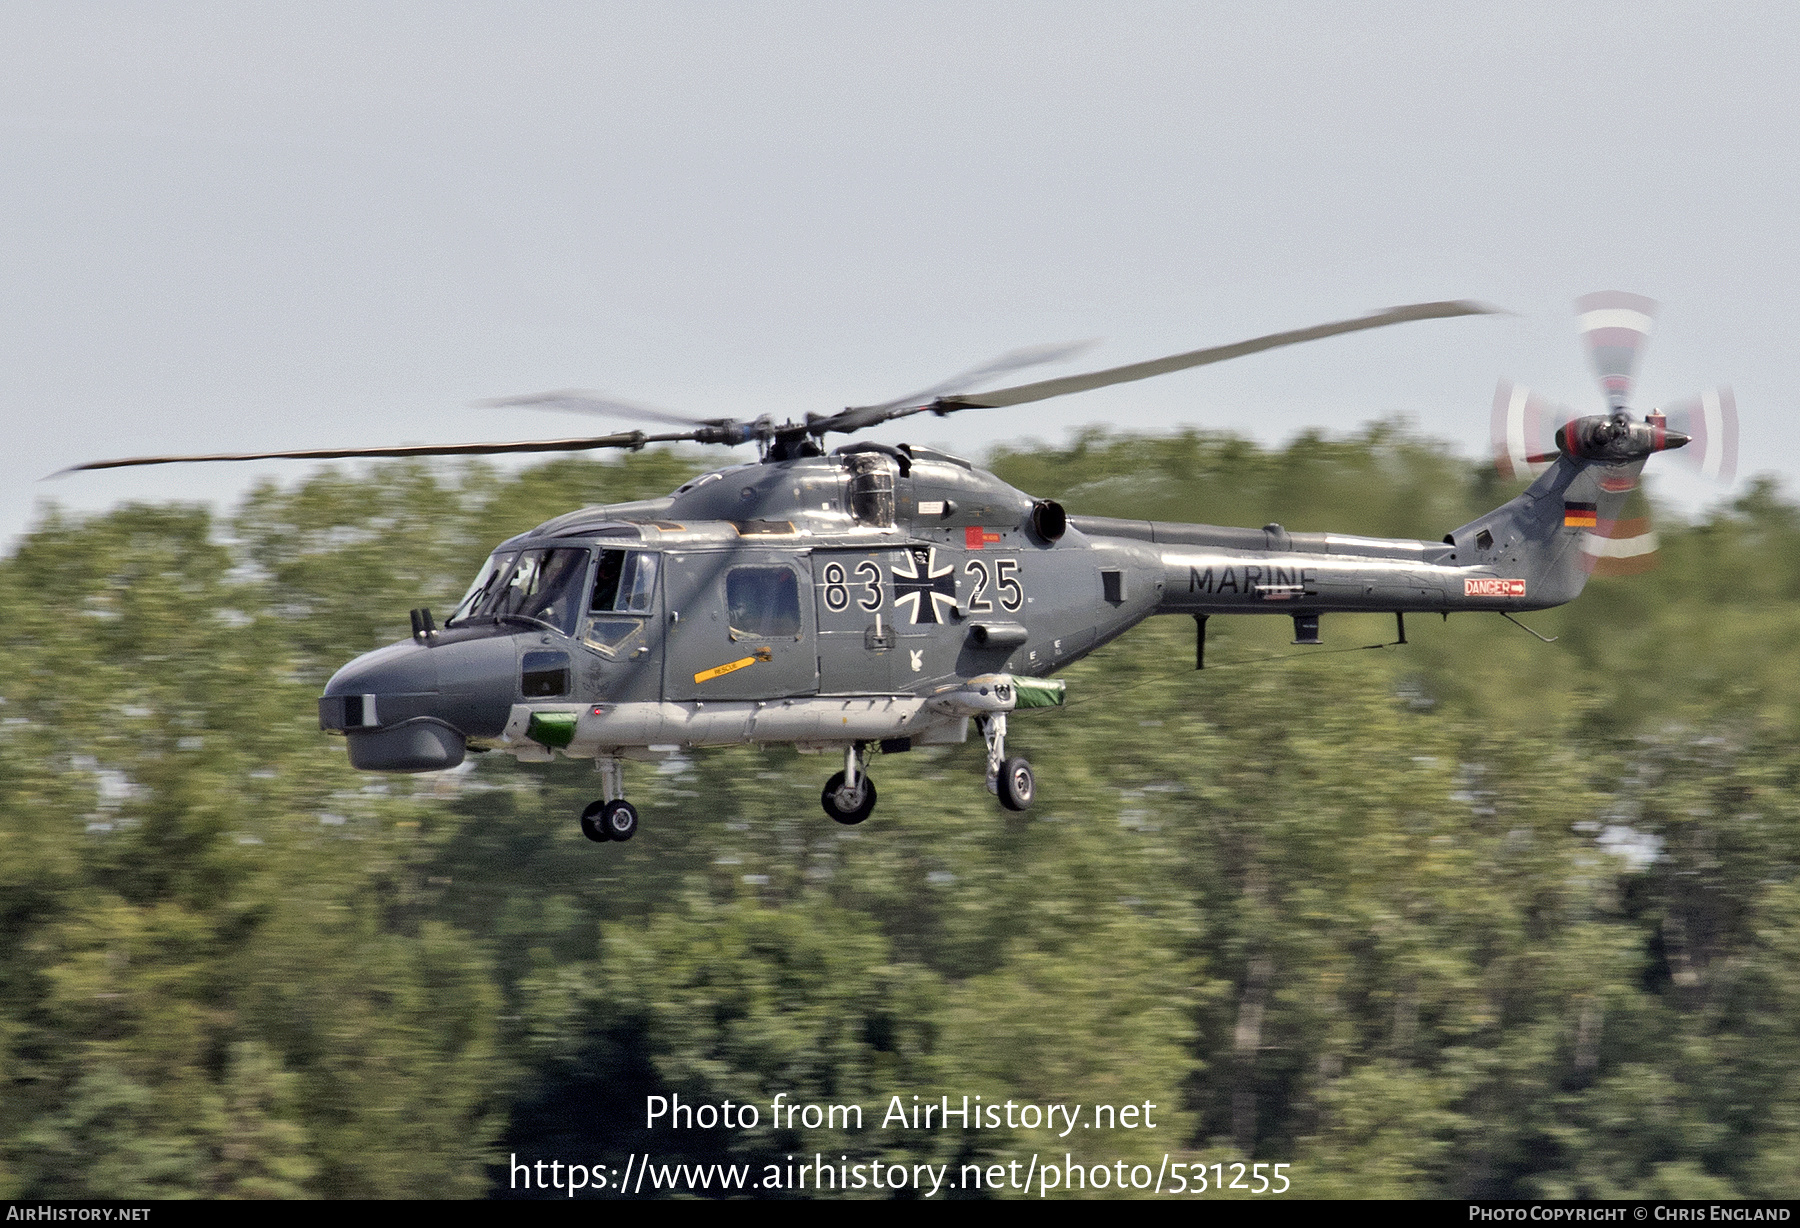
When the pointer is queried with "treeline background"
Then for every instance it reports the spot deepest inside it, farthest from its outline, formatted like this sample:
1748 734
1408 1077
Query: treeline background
1477 916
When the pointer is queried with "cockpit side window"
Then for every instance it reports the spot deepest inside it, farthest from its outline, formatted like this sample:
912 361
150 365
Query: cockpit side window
638 583
606 579
625 582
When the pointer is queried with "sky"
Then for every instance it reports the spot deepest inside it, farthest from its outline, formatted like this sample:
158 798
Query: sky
240 227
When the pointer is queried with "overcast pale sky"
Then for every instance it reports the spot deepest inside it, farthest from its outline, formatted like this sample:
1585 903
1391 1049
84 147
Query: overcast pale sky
239 227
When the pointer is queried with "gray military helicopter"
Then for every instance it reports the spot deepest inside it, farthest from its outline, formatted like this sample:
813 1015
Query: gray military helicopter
889 595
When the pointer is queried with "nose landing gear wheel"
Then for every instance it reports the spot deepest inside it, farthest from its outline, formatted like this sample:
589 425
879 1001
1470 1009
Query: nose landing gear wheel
1017 787
614 820
848 806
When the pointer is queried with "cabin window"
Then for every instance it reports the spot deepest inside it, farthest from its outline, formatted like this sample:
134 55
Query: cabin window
764 603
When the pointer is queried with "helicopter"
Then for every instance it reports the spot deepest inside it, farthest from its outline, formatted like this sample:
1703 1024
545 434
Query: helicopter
887 597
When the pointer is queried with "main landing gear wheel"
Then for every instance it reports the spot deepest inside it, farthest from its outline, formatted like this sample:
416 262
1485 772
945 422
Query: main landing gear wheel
614 820
1007 779
620 819
849 805
1017 787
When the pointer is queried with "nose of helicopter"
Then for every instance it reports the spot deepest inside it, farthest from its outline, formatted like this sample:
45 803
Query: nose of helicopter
390 707
412 706
406 668
385 702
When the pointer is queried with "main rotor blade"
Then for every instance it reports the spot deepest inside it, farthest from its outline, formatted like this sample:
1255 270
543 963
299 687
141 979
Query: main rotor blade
856 419
580 401
629 439
1012 360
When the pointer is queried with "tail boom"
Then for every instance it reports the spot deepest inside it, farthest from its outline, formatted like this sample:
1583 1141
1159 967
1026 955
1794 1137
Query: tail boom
1531 553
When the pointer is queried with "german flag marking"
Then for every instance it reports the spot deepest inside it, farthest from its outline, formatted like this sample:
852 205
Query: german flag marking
1580 516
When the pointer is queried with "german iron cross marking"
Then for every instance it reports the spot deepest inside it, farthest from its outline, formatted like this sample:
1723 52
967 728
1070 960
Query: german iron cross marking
925 579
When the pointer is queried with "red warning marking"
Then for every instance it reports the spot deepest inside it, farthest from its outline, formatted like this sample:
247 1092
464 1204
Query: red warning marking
1493 588
975 537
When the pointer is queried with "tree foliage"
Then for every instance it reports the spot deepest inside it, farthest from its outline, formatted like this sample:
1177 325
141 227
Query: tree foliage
1473 916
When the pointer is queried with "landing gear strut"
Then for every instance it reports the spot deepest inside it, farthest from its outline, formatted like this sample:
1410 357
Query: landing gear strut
612 817
849 795
1008 779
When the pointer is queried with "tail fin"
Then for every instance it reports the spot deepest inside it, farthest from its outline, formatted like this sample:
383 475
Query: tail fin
1553 536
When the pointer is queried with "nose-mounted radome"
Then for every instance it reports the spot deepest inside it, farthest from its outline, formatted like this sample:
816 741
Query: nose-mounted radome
387 705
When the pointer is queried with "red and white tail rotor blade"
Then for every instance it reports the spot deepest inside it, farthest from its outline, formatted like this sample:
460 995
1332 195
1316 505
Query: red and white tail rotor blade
1620 547
1614 326
1626 544
1524 431
1710 422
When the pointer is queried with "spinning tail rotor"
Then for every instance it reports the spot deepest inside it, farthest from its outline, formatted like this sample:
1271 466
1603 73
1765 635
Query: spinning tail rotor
1710 421
1614 328
1530 432
1524 431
